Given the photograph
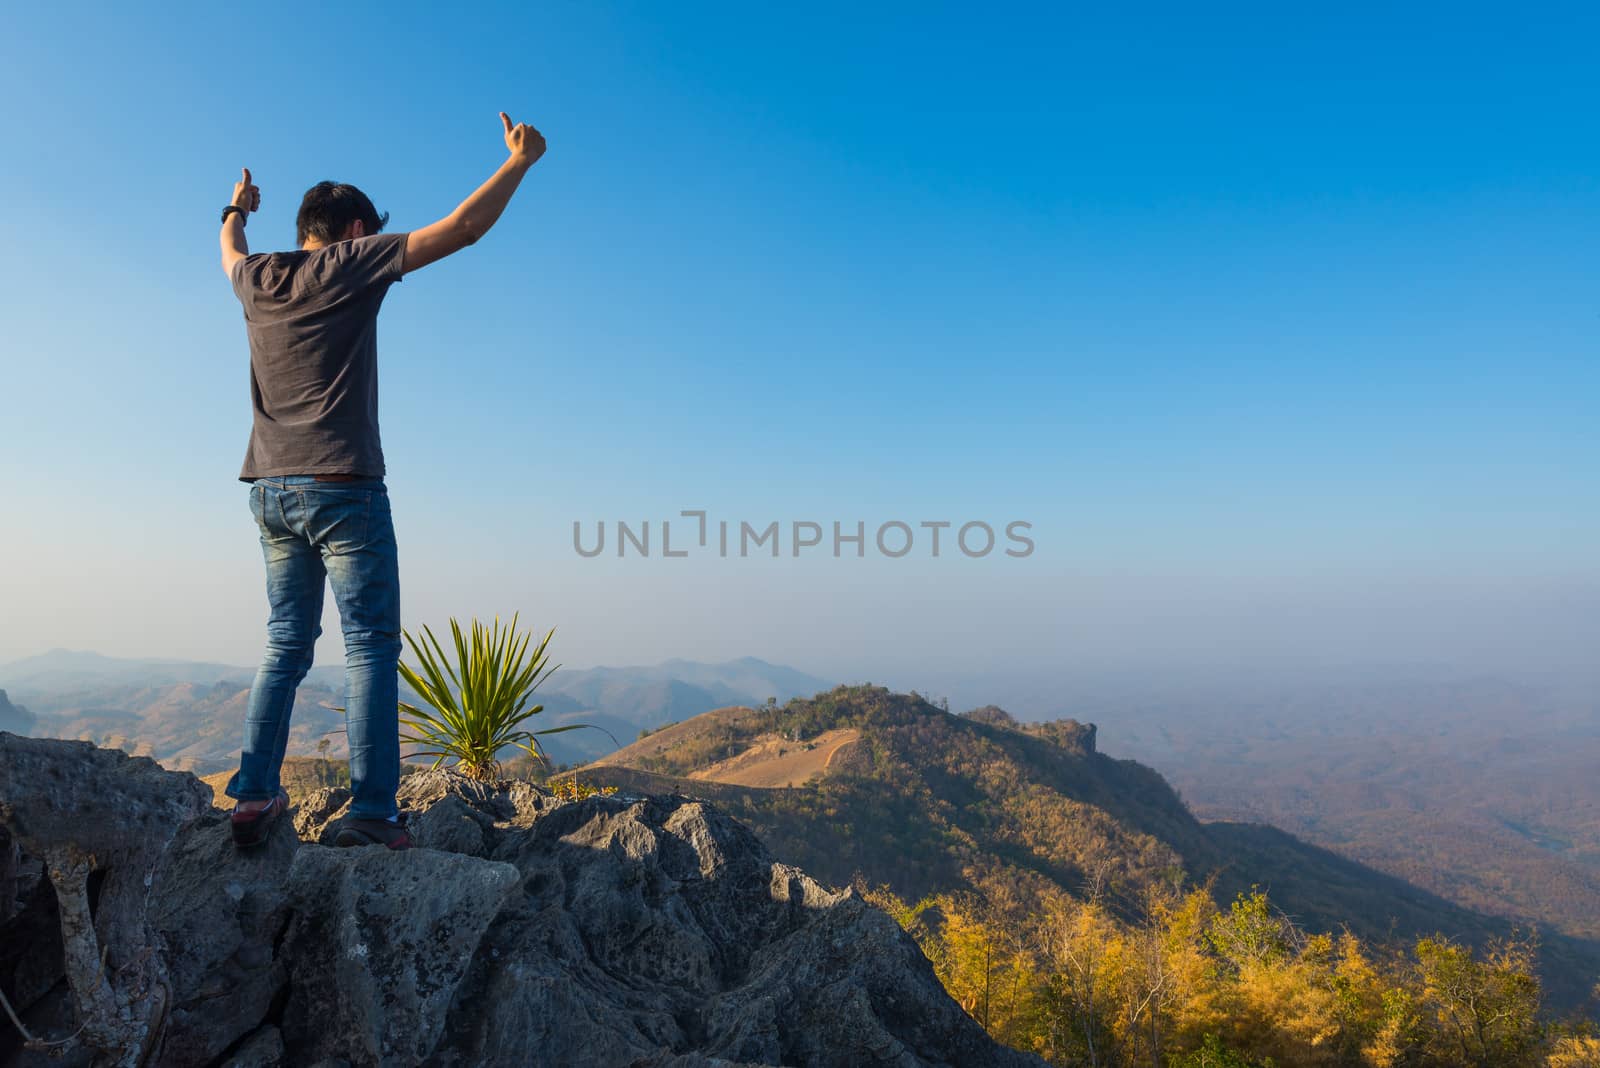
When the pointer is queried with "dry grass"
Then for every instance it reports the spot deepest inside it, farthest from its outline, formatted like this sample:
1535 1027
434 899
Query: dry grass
300 775
774 762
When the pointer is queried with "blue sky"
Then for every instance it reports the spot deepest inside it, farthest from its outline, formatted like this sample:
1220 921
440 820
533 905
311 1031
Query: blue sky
1279 327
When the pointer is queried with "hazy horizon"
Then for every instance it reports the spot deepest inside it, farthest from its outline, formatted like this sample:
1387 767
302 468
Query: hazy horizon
1048 692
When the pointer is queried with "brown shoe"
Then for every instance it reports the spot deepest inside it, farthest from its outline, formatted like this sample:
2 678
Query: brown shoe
252 828
359 832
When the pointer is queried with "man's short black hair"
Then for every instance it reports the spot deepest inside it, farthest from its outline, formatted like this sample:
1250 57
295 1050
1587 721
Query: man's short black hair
329 208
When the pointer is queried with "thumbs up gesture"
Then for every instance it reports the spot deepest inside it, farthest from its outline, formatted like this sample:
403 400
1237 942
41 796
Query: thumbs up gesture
245 194
523 141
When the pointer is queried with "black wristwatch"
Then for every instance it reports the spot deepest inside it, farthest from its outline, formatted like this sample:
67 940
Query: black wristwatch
244 216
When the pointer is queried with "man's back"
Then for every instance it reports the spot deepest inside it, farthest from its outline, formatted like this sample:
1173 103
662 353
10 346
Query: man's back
312 321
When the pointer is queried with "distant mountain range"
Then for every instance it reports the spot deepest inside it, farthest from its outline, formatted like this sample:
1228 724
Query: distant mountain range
67 671
190 713
15 718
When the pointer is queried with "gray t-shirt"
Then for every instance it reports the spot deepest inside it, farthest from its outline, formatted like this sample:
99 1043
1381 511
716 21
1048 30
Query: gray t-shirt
313 324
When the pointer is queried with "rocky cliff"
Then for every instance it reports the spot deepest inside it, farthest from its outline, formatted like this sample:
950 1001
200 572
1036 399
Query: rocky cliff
650 932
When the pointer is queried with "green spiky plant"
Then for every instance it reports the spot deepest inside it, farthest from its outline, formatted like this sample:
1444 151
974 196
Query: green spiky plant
477 702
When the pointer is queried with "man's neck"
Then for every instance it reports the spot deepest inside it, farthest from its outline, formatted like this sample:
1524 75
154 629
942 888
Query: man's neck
311 244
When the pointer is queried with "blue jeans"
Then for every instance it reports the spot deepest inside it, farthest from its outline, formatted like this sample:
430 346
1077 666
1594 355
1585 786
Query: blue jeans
340 532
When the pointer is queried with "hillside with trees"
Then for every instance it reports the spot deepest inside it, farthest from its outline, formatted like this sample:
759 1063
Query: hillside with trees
982 808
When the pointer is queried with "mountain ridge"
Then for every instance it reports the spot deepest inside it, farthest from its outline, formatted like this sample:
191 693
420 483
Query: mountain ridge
932 801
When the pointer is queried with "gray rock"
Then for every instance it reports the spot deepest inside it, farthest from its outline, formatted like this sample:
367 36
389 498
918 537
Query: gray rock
30 951
611 932
264 1049
220 913
101 822
451 826
691 1060
445 811
317 815
662 925
120 810
377 945
497 808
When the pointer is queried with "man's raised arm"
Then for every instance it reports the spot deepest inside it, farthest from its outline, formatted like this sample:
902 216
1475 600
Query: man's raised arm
247 198
476 214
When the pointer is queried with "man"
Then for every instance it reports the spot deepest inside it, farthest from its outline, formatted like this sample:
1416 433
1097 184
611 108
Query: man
315 468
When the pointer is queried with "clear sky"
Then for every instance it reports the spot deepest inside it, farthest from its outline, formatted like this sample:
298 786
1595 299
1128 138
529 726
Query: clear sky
1279 327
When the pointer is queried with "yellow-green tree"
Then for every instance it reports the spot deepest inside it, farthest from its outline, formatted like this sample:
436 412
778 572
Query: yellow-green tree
1573 1052
1083 960
1178 983
1485 1012
985 967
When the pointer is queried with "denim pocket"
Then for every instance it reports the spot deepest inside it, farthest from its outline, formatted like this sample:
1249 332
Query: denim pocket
258 506
337 517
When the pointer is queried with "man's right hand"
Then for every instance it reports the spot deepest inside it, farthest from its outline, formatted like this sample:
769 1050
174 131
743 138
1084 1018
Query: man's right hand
245 193
524 142
474 215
